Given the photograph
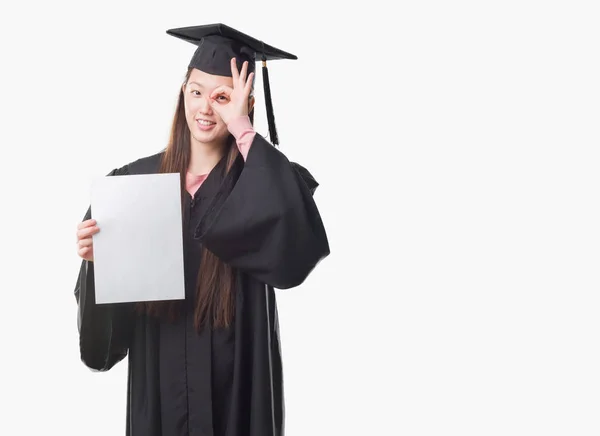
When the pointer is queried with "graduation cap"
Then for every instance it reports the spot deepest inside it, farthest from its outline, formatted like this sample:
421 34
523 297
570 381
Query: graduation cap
218 43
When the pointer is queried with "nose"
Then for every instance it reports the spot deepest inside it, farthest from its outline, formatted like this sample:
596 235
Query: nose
204 106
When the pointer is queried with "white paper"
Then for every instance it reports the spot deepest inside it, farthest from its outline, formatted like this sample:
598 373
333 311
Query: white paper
138 252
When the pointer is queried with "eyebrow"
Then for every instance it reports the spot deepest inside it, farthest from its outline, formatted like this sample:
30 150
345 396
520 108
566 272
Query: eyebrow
196 83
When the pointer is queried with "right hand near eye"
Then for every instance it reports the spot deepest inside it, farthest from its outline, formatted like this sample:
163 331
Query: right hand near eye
85 230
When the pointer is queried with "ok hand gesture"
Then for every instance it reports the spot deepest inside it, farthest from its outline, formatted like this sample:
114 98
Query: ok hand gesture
230 103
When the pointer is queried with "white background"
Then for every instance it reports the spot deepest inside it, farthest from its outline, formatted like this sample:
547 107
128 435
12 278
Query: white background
456 144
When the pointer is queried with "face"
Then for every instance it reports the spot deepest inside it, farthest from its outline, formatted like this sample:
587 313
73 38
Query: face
205 124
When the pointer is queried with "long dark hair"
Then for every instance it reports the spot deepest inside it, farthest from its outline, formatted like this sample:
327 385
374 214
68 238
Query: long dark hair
215 290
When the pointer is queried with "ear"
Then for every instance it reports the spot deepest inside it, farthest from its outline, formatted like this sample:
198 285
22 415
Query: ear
251 102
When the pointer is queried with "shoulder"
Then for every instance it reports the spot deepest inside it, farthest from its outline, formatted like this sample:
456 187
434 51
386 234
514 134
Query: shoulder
144 165
147 164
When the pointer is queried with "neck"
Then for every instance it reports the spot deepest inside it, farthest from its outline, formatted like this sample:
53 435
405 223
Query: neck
204 156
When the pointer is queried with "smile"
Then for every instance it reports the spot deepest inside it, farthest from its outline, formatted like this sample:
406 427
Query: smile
205 122
205 125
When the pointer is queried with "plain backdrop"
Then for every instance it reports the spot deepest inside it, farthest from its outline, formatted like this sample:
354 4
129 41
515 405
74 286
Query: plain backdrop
457 148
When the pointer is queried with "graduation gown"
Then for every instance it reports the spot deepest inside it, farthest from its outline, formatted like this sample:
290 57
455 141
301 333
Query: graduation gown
262 220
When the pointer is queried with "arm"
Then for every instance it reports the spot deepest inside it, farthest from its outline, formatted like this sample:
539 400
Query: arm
267 222
104 330
242 130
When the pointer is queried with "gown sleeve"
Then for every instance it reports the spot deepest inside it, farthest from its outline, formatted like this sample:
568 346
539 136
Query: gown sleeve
267 224
104 330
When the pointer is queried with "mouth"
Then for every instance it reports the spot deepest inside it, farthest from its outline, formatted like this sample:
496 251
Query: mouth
205 124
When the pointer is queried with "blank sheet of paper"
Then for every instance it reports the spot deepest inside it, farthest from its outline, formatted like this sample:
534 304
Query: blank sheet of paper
138 252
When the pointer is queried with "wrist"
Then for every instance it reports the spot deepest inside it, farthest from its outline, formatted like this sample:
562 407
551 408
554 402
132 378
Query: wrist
238 125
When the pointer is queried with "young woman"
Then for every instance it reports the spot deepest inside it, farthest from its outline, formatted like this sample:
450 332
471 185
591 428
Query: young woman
211 364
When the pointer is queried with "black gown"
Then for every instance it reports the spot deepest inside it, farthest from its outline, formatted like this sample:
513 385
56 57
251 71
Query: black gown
262 220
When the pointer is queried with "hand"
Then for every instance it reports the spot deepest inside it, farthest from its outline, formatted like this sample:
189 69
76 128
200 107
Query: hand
85 230
231 103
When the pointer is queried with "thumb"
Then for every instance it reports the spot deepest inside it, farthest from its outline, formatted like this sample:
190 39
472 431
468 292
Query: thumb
218 109
214 104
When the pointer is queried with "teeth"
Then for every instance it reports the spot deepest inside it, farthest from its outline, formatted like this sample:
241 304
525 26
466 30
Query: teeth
205 123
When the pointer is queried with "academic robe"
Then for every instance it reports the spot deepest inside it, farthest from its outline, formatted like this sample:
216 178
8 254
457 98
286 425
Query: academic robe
262 220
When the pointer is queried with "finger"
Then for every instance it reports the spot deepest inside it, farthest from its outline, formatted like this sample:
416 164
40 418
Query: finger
223 89
215 107
84 233
87 242
88 231
248 86
86 223
234 71
84 251
242 78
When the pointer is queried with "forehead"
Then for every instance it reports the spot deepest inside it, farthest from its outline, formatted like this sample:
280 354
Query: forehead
209 80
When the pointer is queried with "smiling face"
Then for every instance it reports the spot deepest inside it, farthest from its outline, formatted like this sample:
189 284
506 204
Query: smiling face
205 125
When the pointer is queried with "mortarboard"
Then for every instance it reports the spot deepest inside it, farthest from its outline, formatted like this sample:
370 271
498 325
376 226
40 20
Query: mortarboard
218 43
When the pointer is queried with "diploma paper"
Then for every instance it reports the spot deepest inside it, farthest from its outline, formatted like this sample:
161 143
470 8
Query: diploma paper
138 252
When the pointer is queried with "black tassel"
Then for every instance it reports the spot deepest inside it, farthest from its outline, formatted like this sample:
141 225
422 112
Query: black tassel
269 104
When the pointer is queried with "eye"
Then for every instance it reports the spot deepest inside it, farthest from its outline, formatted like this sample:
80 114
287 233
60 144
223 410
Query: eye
195 92
222 98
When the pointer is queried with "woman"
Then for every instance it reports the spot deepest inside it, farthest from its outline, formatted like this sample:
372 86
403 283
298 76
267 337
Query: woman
210 364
